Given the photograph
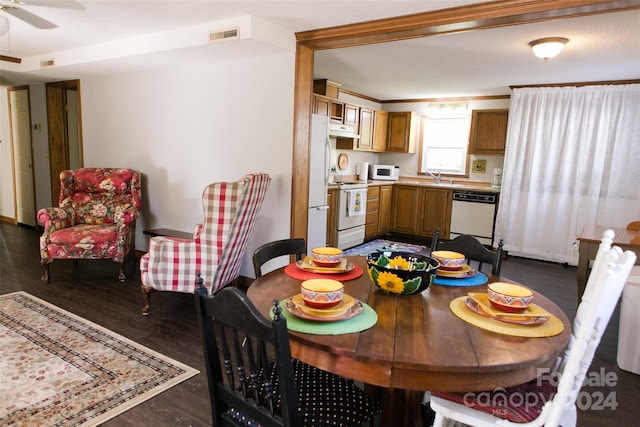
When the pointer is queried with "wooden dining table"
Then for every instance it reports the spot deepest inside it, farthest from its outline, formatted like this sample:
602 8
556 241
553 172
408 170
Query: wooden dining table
417 344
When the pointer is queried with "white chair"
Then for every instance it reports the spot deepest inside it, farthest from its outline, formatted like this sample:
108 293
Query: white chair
610 271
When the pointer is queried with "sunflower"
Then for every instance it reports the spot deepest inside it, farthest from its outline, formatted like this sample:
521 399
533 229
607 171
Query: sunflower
399 263
390 282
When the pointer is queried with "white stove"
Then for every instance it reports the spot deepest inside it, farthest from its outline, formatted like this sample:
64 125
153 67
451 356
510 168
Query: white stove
351 213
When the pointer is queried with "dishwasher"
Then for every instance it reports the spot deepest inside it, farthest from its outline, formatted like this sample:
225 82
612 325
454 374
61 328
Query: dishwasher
474 212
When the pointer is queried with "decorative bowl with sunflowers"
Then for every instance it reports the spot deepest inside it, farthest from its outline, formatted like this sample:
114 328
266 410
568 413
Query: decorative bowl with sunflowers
402 273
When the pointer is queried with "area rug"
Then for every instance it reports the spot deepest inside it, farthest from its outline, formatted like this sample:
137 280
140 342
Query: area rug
57 369
382 245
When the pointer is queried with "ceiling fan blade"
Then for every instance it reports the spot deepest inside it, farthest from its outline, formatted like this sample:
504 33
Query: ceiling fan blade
30 18
10 59
61 4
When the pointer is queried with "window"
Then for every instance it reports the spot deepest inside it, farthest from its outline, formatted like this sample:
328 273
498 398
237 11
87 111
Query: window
444 138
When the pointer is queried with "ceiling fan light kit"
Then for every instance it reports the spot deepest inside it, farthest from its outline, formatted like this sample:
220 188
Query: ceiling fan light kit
547 47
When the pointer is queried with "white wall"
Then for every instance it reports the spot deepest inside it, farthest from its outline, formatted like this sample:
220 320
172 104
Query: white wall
185 126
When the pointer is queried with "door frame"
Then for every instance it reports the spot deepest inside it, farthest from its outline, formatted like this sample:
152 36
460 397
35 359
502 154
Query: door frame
58 131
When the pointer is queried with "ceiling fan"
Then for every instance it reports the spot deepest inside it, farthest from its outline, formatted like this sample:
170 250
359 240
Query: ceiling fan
16 8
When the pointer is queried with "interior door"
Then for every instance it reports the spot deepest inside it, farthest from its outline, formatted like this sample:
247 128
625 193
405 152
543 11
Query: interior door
22 155
65 131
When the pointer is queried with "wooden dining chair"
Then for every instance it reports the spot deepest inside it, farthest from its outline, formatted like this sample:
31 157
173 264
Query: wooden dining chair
545 400
271 250
472 249
253 380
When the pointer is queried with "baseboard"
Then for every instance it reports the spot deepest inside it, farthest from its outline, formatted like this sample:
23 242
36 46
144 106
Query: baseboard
7 219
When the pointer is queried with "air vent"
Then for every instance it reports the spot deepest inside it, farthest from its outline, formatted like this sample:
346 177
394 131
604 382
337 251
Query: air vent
218 36
47 63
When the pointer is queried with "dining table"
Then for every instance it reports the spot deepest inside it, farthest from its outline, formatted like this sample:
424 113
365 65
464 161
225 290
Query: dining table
416 344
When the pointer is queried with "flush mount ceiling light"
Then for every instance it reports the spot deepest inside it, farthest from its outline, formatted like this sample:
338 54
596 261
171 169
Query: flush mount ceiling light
548 47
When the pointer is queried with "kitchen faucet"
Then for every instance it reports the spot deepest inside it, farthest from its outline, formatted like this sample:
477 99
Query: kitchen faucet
436 178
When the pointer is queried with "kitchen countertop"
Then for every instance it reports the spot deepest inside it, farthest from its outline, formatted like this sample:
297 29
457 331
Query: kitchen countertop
417 181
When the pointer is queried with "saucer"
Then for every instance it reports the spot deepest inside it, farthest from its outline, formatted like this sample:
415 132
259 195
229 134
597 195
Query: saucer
307 264
345 304
478 308
356 309
461 273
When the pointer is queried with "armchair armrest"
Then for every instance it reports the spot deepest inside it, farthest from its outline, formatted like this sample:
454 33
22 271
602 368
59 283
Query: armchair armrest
56 218
126 218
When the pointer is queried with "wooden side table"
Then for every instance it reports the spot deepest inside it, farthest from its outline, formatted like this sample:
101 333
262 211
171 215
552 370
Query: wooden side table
168 232
589 239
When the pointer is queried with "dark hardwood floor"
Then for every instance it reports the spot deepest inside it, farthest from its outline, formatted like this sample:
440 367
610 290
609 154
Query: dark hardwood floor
92 291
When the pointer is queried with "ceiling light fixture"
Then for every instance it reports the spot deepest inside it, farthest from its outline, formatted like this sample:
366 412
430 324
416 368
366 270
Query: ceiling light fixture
4 25
548 47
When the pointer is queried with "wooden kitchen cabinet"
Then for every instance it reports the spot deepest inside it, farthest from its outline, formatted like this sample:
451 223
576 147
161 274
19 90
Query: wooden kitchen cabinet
384 208
403 127
406 204
321 105
332 202
366 129
380 130
488 133
421 210
373 206
351 115
435 211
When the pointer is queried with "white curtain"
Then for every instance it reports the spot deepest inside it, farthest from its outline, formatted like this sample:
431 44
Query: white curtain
572 158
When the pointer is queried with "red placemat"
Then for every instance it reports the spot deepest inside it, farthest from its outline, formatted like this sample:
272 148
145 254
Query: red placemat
293 271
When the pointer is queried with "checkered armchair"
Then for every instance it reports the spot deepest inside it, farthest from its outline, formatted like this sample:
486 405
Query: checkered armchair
95 218
218 244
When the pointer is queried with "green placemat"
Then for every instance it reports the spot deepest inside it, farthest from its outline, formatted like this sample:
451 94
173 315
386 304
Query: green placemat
361 322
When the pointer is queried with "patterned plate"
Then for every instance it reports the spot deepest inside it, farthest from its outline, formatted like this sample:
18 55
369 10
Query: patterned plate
523 320
308 265
464 272
354 311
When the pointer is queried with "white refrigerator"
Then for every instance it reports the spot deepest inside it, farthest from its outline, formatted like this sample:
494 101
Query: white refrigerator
320 159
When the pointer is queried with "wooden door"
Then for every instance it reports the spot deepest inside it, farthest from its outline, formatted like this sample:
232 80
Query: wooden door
366 129
20 124
435 212
65 131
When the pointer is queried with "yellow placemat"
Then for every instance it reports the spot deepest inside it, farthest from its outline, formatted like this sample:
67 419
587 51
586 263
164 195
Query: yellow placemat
551 327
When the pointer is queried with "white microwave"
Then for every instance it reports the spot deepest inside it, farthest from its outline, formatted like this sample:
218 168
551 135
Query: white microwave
384 172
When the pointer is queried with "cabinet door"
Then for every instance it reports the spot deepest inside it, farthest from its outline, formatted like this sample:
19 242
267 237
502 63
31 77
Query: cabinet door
406 203
366 129
373 203
435 211
331 217
380 127
350 116
402 131
488 133
321 105
384 208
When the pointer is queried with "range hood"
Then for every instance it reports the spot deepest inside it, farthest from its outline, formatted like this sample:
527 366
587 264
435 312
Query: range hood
343 131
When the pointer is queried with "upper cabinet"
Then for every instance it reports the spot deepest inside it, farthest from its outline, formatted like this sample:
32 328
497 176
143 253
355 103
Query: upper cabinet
380 130
403 126
488 131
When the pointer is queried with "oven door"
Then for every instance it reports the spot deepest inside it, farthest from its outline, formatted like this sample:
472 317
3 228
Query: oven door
351 212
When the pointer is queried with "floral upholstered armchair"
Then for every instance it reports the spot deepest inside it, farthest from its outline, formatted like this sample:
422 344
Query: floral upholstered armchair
96 217
218 244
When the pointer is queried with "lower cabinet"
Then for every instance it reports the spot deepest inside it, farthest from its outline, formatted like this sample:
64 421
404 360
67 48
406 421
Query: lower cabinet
331 216
378 210
421 210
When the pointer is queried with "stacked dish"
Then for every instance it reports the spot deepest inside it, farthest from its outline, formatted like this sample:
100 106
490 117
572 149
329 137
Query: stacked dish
323 300
325 260
484 304
452 265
